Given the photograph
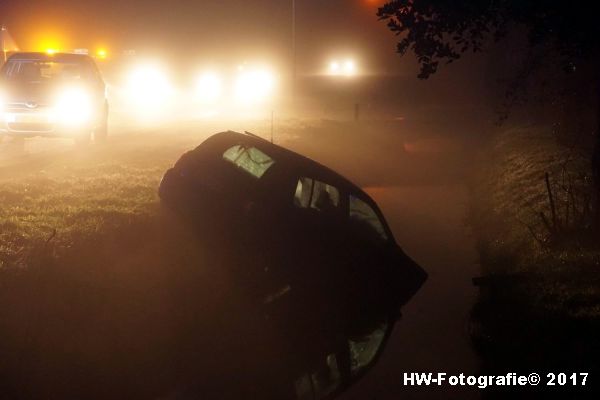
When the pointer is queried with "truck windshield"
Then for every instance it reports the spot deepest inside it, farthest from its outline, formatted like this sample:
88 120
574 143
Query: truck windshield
32 71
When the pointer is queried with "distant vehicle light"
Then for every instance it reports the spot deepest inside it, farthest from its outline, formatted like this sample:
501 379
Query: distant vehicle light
349 67
101 54
345 68
209 87
334 67
148 87
253 86
73 107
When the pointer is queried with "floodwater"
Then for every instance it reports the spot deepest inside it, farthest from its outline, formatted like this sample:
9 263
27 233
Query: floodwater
428 223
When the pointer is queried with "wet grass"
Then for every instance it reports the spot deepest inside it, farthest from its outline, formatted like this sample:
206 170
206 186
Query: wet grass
67 195
509 194
541 305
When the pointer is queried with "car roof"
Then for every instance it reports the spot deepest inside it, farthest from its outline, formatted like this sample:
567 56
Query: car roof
40 56
288 159
291 163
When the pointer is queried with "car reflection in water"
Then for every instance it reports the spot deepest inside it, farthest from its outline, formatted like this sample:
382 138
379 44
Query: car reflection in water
314 253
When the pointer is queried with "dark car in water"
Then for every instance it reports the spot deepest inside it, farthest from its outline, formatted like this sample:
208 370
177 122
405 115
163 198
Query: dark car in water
53 95
314 248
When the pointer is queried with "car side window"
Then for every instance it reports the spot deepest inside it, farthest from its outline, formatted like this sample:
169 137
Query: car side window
316 195
364 350
249 159
320 382
303 192
363 213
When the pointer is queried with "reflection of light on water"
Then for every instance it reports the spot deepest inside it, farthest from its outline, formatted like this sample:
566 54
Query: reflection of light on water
433 145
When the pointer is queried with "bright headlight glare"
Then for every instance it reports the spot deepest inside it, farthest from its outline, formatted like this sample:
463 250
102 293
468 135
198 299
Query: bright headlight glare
349 67
342 68
334 67
254 86
209 87
73 106
3 116
148 85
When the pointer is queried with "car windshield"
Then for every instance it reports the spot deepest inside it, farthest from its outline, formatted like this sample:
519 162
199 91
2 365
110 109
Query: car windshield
35 71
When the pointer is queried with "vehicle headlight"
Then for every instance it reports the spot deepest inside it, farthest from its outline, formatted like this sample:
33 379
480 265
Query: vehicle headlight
148 86
73 107
254 86
345 68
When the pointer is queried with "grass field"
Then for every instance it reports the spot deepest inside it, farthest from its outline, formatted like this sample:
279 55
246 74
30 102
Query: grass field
541 303
69 194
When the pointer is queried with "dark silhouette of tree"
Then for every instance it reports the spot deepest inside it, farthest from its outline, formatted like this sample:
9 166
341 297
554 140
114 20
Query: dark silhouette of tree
440 31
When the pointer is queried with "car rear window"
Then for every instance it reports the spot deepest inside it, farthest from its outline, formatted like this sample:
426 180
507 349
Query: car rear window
249 159
363 213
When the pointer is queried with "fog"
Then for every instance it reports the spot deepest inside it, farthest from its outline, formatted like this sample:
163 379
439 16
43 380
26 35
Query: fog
409 144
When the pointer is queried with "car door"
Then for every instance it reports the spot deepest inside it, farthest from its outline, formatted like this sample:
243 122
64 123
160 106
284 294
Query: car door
309 243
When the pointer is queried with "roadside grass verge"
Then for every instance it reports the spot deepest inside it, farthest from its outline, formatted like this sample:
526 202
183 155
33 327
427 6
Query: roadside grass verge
64 195
80 268
539 304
